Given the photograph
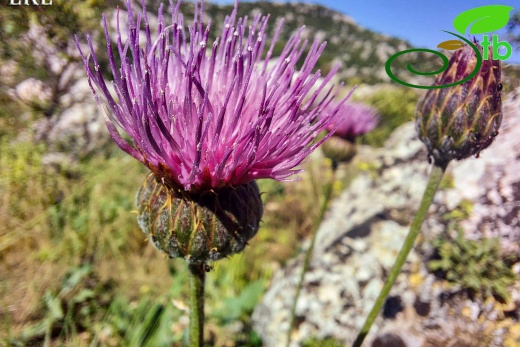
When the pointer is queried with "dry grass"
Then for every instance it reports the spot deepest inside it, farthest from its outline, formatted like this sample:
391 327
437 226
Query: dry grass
56 220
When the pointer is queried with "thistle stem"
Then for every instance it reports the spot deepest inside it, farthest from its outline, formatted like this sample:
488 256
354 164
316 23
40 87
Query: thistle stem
415 228
197 279
308 254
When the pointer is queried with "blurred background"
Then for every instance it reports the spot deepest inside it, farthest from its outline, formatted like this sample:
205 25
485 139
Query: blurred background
75 270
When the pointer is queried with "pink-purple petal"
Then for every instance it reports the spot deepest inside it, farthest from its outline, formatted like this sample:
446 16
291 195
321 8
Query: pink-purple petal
204 118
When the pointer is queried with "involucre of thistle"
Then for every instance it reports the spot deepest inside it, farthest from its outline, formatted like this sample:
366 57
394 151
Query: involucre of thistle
458 122
205 227
352 120
339 150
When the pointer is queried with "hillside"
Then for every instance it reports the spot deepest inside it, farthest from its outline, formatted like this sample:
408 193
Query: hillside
361 52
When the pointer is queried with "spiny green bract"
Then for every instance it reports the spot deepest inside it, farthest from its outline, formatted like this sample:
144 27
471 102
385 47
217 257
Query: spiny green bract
198 227
460 121
475 265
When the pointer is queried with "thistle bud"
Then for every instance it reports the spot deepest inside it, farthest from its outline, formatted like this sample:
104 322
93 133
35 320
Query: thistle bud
460 121
351 121
338 149
203 227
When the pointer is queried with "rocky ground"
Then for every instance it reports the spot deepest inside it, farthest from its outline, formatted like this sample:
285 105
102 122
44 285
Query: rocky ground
359 240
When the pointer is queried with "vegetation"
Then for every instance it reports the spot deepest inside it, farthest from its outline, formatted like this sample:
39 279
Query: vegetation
328 342
41 42
396 106
476 266
76 270
473 265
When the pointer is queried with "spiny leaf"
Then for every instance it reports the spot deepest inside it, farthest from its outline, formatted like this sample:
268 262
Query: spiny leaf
484 19
451 45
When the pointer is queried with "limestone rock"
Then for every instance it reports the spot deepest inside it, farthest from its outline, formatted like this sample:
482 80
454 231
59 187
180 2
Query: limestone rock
33 91
78 128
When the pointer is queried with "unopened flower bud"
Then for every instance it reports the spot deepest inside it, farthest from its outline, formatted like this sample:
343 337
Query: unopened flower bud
460 121
351 121
203 227
339 149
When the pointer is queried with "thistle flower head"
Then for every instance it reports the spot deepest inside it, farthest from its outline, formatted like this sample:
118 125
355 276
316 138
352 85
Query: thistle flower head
351 121
460 121
205 115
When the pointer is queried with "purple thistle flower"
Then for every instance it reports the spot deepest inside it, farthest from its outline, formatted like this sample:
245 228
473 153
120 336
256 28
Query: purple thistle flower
203 117
354 119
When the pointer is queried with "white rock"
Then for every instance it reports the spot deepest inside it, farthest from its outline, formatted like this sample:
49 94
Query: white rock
339 290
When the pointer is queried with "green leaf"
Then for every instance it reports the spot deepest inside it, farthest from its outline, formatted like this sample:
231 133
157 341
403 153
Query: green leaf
151 324
234 307
451 45
484 19
54 311
84 295
73 278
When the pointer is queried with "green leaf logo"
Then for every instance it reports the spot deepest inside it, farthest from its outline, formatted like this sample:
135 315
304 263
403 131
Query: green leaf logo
483 19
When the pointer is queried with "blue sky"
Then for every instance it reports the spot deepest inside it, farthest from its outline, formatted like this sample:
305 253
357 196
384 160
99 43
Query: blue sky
418 21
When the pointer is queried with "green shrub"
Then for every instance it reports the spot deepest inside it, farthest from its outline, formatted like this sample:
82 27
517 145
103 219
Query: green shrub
328 342
475 265
396 106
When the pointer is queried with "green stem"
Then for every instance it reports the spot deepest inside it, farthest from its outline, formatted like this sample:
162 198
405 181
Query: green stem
197 278
415 228
47 340
308 254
